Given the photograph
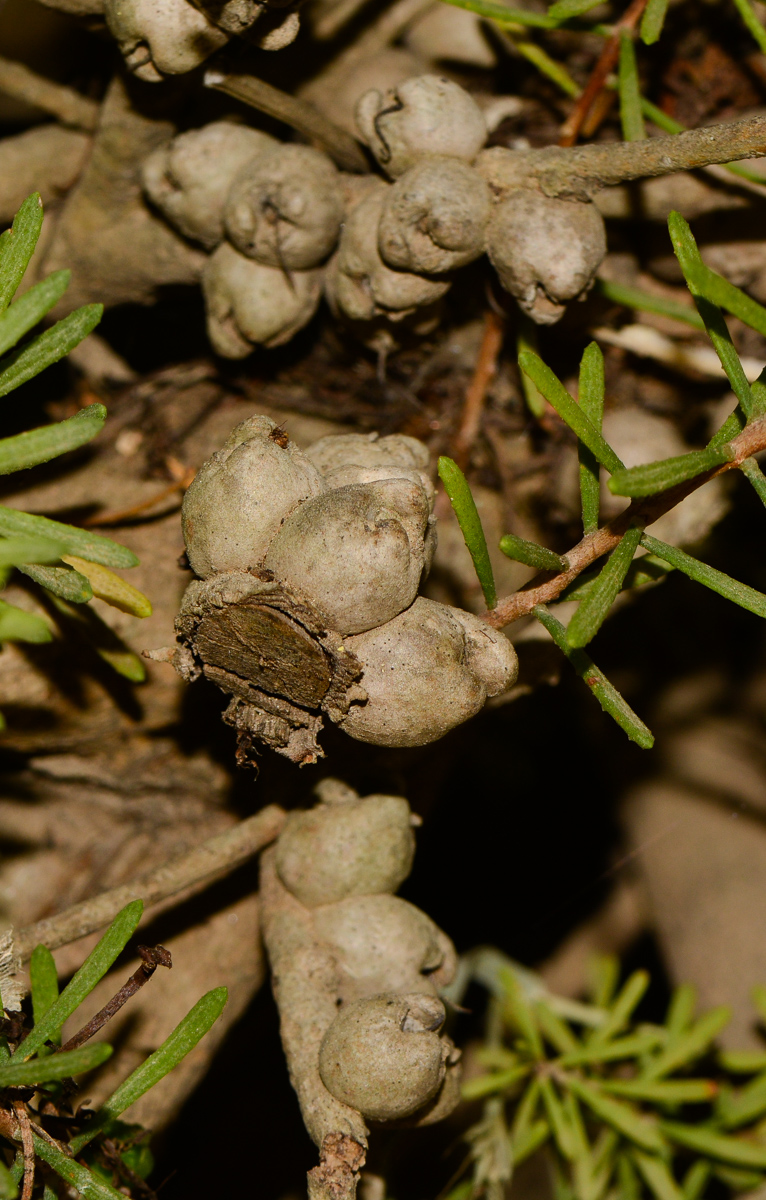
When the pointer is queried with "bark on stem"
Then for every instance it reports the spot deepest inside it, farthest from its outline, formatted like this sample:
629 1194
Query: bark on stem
579 171
547 587
219 854
64 103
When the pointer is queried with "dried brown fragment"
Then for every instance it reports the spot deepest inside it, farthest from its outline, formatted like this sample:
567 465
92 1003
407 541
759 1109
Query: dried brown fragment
337 1175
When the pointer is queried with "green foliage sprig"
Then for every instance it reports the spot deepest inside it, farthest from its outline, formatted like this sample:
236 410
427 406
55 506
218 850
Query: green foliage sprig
71 564
31 1059
654 488
618 1101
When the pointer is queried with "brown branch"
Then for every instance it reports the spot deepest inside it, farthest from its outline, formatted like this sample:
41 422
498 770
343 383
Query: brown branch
153 957
579 171
546 587
486 368
64 103
604 66
127 514
215 856
28 1147
299 114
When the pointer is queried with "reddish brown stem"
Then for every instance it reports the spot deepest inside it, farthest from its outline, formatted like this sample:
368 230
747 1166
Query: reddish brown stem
606 63
484 372
153 957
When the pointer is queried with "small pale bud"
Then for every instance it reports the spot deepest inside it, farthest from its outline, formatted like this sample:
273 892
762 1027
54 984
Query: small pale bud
434 218
424 115
285 210
250 305
189 179
162 37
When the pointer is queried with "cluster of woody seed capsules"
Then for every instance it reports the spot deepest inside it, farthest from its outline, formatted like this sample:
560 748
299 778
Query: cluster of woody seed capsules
285 226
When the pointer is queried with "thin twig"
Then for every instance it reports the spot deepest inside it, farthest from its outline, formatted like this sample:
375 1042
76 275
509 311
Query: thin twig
219 854
28 1147
484 373
606 63
299 114
546 587
64 103
127 514
152 957
580 171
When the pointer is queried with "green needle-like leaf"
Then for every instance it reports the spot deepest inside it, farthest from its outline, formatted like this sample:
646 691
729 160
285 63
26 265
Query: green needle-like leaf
688 1046
622 1117
652 21
603 977
91 546
530 1140
681 1009
564 10
82 984
564 1135
753 25
504 15
43 984
642 571
30 308
593 611
61 581
18 246
629 1183
49 441
554 1030
527 339
716 1145
607 695
755 476
531 554
736 1109
743 1062
101 639
48 347
19 626
650 478
631 116
591 399
632 297
731 589
568 409
737 1179
181 1041
16 551
657 1176
629 996
462 501
54 1066
696 1180
663 1091
489 1085
758 996
79 1177
621 1048
519 1013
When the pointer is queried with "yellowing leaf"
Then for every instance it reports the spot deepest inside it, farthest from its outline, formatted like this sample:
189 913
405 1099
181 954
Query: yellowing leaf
110 587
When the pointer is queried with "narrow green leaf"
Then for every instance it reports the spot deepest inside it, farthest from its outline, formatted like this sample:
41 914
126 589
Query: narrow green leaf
527 339
730 589
73 1173
743 1062
662 1091
82 984
9 1188
755 476
636 298
49 441
504 15
751 22
681 1009
622 1117
652 21
48 347
531 554
16 551
642 571
559 75
19 626
603 977
738 1179
43 982
714 287
61 581
92 546
181 1041
650 478
629 996
554 1030
462 501
688 1046
18 246
736 1109
699 285
591 399
30 308
54 1066
102 639
696 1180
657 1176
607 695
488 1085
716 1145
519 1014
564 10
561 1127
530 1140
568 409
758 997
526 1109
593 611
733 425
631 117
621 1048
629 1183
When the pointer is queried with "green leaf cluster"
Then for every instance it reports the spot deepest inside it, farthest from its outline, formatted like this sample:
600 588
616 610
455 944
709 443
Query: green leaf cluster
621 1103
33 544
34 1061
